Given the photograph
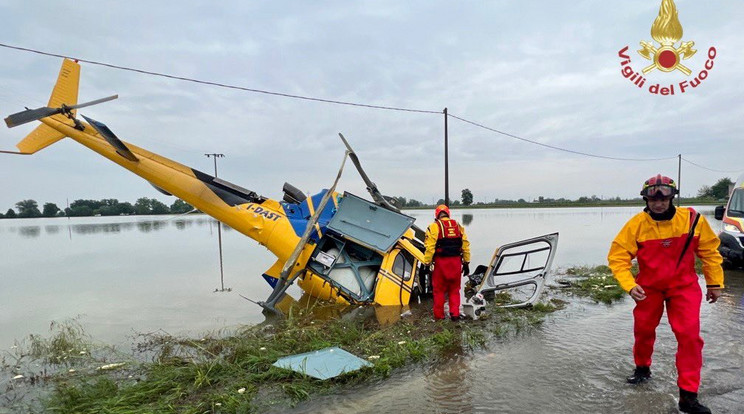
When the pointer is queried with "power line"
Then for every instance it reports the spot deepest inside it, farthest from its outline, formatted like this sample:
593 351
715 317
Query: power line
218 84
383 107
710 169
554 147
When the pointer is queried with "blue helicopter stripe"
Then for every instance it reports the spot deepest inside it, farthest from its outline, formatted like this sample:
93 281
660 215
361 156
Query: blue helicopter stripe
271 280
299 214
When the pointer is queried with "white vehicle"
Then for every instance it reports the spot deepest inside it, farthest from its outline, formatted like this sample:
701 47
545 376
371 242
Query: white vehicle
732 233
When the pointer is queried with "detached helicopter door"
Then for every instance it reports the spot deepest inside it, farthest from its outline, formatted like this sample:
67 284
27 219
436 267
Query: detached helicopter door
518 268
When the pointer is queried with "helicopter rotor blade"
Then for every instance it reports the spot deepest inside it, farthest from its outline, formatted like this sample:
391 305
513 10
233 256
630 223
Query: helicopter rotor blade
29 115
115 142
371 186
24 117
374 191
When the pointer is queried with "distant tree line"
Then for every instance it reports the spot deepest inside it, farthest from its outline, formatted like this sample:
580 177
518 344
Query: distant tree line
146 206
717 192
105 207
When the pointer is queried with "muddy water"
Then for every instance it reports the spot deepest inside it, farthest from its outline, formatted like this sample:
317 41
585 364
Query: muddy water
121 276
574 363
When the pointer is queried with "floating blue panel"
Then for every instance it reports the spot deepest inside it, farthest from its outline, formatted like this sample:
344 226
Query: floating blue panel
322 364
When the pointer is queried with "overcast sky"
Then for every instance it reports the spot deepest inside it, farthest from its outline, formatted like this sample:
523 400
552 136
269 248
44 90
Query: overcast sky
547 71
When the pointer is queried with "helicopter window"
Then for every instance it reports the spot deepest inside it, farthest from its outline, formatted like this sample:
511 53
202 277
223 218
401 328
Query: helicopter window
403 265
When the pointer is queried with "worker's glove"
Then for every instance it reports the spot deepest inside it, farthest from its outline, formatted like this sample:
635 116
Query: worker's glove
465 268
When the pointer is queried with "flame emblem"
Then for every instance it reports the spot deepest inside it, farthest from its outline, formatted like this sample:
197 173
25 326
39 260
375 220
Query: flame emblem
667 31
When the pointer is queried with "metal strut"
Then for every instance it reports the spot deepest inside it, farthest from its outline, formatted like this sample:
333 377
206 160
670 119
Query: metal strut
285 280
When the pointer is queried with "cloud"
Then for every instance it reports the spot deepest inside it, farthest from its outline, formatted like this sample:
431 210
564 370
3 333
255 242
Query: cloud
545 71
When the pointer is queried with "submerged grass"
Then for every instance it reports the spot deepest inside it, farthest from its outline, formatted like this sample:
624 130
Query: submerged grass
39 360
597 282
235 373
594 282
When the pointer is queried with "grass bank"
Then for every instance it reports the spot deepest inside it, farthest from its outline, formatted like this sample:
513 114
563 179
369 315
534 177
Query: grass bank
234 372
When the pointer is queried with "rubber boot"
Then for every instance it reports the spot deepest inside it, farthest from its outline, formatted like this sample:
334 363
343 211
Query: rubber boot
639 375
688 403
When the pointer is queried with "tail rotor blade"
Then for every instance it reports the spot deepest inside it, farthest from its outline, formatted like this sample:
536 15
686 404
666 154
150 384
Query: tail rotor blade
96 102
29 115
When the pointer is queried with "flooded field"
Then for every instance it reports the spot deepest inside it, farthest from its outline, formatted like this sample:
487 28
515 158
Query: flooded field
126 275
576 362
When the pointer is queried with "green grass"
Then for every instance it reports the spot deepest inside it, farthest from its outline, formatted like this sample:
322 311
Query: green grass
234 373
595 282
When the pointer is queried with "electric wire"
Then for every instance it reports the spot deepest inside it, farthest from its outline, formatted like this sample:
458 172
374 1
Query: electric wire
554 147
709 169
218 84
356 104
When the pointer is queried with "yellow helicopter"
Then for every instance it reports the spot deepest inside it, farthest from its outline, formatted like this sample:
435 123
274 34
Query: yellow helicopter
337 247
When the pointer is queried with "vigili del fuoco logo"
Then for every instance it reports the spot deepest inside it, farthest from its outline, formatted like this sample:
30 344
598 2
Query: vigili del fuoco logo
666 55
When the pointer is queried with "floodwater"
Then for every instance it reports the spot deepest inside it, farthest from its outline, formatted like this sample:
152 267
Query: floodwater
126 275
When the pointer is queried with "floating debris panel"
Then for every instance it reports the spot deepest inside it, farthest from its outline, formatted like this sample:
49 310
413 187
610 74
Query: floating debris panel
322 364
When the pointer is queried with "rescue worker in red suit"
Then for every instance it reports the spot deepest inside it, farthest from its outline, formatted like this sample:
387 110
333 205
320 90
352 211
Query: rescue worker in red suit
665 240
449 248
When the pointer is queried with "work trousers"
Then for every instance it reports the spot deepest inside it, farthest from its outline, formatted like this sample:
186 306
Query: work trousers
445 281
683 312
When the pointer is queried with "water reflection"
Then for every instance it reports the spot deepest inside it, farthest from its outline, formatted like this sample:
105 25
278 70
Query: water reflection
30 231
467 218
148 226
388 315
26 229
100 228
320 310
446 384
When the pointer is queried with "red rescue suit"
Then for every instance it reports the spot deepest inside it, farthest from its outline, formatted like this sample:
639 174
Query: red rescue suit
667 275
448 247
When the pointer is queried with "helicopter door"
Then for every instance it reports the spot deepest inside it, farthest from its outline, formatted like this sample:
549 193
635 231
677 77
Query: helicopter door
395 279
368 224
519 269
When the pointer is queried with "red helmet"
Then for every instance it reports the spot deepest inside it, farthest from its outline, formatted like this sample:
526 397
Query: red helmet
659 186
441 209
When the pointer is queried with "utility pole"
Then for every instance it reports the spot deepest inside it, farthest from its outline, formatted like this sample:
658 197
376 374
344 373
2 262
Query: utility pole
446 162
219 226
679 179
